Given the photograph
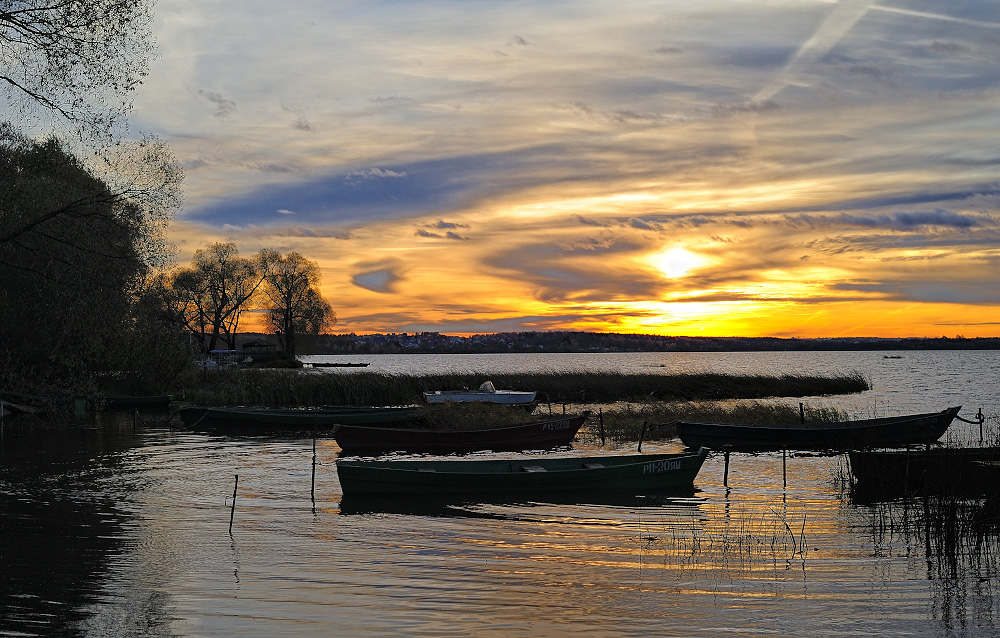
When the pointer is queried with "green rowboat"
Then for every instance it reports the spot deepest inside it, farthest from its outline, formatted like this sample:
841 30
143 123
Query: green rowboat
522 476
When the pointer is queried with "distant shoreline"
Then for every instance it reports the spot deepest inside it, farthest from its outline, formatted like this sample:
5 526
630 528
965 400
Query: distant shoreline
567 342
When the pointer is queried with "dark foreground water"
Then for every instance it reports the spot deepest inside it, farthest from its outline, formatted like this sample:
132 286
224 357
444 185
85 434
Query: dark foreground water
124 531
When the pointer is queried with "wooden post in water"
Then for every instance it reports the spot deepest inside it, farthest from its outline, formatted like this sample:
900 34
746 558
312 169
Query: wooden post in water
600 413
312 490
642 434
802 413
784 467
725 474
232 512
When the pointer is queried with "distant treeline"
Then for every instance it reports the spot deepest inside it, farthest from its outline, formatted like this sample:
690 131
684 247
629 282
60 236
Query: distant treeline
560 341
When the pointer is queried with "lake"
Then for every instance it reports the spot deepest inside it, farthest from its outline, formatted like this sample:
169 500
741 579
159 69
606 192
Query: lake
124 530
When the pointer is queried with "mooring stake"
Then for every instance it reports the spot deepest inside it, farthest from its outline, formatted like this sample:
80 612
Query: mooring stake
600 413
784 468
642 435
312 490
980 417
232 512
725 474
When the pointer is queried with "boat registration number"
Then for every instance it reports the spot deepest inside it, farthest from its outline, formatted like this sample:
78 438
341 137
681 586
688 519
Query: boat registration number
655 467
547 427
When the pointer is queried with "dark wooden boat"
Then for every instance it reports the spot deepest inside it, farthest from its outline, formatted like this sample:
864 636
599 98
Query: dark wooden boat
327 418
534 435
941 471
485 480
843 435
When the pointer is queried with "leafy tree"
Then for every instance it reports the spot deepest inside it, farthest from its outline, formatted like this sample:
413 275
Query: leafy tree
296 306
70 284
80 233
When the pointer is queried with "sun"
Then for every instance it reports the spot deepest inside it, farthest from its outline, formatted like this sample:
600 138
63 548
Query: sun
676 262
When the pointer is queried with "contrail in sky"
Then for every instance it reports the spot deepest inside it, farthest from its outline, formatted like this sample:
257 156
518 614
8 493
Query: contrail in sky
842 19
937 16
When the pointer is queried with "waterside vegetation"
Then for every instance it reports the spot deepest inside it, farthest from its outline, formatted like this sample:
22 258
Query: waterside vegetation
619 402
284 388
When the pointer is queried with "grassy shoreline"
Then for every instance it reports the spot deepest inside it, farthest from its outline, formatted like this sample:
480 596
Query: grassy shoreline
284 388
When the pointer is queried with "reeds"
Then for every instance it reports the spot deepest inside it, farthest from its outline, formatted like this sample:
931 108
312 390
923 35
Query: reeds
309 388
753 539
624 422
957 536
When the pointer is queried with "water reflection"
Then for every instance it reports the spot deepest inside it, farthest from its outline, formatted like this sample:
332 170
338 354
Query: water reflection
59 528
444 506
953 543
127 533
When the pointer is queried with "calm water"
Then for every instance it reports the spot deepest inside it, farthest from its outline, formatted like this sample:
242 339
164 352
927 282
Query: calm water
124 531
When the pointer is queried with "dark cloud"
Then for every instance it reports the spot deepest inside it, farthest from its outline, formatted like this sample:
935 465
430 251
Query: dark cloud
422 232
641 224
586 221
910 221
897 221
443 225
223 106
382 276
519 41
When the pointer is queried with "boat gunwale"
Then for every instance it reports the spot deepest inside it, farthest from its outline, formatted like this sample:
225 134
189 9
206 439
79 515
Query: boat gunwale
613 462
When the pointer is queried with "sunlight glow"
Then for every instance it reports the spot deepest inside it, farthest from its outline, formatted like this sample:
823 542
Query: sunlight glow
677 262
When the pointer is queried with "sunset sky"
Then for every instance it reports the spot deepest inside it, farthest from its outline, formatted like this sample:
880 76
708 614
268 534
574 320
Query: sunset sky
720 167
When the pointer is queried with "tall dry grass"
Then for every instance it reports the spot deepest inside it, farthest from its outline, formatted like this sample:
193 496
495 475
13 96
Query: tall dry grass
310 388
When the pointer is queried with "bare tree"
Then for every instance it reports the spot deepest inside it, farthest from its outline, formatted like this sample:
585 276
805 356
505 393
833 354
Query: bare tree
208 298
296 306
78 61
73 65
